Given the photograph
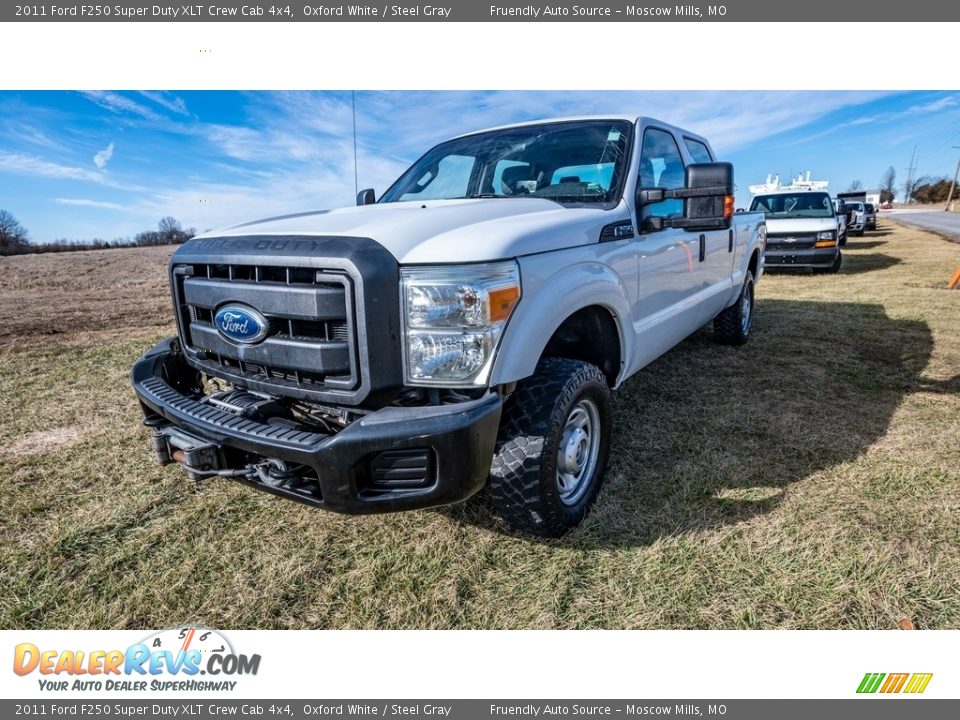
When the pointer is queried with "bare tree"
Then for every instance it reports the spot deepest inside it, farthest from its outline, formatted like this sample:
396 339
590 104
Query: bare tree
855 185
14 237
169 232
911 186
888 185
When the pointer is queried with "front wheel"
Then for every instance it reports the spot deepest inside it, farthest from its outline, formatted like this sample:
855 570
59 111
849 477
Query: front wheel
835 267
732 326
552 448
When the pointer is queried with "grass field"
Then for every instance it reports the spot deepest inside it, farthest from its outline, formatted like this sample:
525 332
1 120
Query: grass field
808 480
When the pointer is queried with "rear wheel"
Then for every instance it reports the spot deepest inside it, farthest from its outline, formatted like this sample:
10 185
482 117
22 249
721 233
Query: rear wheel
732 326
553 447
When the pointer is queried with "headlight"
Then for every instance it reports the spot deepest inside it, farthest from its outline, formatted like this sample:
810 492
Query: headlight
826 239
453 318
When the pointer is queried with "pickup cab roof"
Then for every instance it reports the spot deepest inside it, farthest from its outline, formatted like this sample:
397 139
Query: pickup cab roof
642 120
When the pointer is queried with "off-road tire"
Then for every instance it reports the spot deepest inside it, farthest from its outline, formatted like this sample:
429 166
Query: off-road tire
523 476
729 327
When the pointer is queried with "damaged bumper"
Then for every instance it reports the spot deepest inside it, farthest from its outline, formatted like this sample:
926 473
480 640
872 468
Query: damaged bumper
396 458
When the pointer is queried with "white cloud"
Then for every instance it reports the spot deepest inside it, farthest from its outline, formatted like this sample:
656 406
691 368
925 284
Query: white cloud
120 104
37 167
36 137
103 157
938 105
83 202
165 100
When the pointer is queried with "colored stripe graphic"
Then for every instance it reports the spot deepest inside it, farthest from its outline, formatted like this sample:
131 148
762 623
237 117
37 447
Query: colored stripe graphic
894 683
918 682
870 682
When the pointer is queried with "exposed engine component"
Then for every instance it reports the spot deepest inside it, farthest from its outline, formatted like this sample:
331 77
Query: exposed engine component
249 404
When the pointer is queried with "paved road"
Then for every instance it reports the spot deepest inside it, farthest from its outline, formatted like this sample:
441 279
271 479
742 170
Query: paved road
947 223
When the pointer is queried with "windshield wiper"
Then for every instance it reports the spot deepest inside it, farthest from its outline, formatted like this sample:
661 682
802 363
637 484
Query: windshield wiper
487 196
530 196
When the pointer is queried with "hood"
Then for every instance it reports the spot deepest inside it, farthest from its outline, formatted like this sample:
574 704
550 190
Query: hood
800 225
446 231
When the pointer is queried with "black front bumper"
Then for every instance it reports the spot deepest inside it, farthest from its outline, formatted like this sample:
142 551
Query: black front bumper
457 442
806 257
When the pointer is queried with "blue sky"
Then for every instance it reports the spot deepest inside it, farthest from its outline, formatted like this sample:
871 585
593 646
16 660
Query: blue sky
104 164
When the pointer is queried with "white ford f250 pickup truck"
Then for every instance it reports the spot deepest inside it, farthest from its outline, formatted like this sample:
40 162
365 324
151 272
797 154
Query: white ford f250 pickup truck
465 330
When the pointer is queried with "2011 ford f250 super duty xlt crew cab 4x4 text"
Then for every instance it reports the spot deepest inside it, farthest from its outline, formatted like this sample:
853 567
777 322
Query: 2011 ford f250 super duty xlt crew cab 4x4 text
465 330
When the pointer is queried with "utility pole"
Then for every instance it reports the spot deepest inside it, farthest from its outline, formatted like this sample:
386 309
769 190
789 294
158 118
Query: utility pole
953 185
908 187
356 176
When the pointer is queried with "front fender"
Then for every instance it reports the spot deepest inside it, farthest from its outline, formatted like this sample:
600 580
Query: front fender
553 290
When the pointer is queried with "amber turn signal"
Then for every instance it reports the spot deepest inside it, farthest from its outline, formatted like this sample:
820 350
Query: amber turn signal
502 302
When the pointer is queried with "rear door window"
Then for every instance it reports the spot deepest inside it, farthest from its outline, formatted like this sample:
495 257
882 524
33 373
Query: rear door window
698 150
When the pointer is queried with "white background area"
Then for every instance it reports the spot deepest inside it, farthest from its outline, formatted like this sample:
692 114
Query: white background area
496 56
545 664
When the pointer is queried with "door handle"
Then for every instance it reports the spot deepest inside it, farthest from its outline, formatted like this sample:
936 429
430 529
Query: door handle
730 242
703 247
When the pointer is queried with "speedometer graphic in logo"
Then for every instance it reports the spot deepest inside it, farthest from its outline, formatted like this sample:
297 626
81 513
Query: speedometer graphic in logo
183 638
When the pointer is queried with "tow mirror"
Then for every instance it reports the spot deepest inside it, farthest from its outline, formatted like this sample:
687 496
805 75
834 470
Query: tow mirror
707 199
366 197
714 207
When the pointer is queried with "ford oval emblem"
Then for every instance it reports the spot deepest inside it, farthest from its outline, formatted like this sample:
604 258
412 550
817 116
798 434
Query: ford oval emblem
241 324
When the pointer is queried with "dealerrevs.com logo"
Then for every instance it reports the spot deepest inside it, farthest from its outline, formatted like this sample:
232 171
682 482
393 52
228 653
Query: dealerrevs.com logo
182 658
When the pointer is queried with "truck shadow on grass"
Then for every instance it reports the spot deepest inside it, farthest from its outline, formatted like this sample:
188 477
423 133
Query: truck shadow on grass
868 262
709 436
855 244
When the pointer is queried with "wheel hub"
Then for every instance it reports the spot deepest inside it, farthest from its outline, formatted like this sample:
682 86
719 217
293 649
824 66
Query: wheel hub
573 450
745 310
577 452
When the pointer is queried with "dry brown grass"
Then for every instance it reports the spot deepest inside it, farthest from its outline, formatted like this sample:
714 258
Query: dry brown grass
84 297
809 479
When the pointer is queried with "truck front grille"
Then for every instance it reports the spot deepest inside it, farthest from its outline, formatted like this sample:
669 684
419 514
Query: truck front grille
311 344
791 241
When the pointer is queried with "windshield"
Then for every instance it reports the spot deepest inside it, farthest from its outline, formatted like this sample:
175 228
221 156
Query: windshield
794 205
570 163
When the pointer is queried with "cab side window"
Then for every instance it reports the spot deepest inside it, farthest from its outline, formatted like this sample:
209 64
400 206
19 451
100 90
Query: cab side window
661 166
